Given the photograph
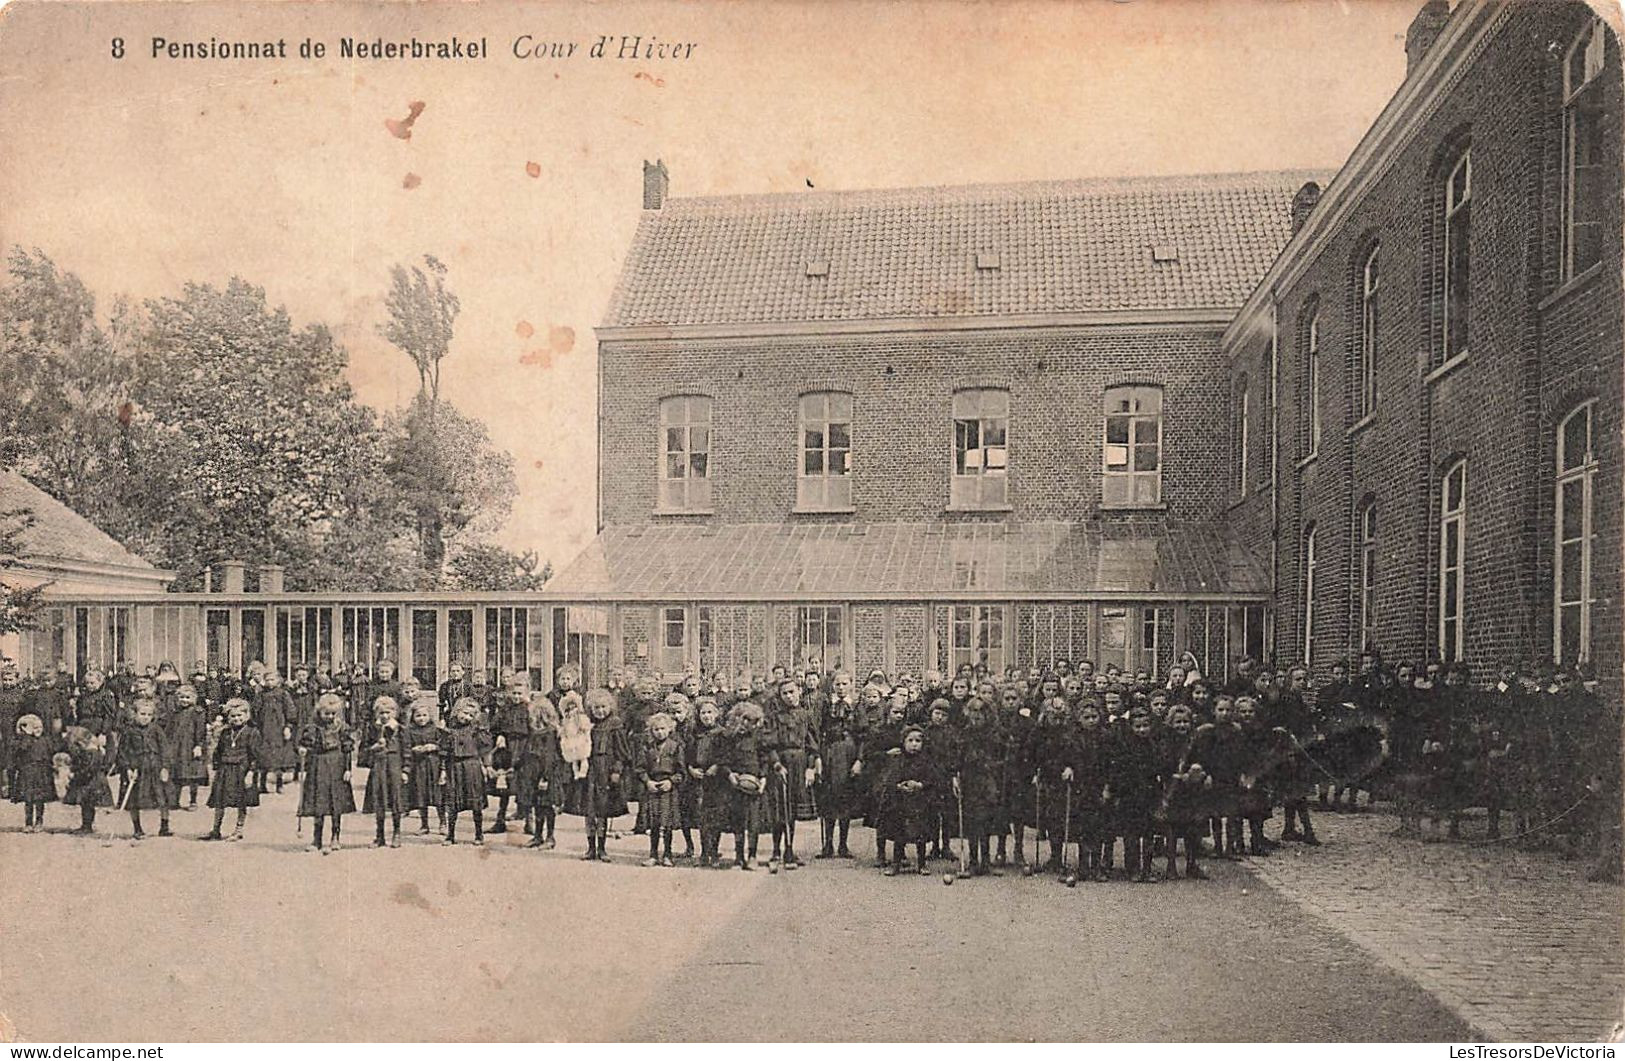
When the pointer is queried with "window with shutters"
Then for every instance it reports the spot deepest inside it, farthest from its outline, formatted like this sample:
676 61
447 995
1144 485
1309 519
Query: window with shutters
824 470
1131 472
981 470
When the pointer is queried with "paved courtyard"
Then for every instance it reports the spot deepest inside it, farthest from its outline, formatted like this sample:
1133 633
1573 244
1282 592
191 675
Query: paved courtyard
178 940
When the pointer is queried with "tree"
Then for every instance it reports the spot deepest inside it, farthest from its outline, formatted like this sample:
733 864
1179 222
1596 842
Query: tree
421 315
488 566
254 447
19 608
450 477
65 421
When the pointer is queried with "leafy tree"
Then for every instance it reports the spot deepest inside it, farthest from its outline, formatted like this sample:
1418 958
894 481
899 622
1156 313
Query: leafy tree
450 477
19 608
421 314
66 420
488 566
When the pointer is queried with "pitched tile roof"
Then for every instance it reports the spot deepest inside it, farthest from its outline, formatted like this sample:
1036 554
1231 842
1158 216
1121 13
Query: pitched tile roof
917 560
58 532
1047 247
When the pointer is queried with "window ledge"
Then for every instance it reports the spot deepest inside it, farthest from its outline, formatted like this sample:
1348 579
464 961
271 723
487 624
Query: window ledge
824 510
979 508
1139 506
1307 461
1445 369
685 512
1361 424
1573 284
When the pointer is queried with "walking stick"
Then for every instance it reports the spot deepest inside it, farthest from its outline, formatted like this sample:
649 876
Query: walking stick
789 821
1069 879
304 779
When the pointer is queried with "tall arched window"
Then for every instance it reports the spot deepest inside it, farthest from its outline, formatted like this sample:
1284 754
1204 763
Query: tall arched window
1311 381
685 454
1585 151
1452 549
1365 394
1576 468
1310 564
1131 471
1243 435
824 465
1458 226
1368 574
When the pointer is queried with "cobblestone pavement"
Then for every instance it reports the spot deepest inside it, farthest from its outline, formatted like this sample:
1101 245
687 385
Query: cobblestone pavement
1516 943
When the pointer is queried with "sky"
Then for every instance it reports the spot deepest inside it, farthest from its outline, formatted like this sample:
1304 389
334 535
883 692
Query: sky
525 175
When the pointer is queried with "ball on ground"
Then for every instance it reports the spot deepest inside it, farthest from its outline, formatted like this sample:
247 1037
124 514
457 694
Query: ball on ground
947 878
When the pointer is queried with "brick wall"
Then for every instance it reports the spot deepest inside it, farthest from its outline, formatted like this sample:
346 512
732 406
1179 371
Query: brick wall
1534 353
902 428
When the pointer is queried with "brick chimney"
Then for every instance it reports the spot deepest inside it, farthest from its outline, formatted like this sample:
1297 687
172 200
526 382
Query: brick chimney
231 576
271 578
1303 204
1424 30
655 183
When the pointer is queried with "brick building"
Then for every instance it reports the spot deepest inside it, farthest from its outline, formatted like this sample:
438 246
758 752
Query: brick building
912 429
1434 361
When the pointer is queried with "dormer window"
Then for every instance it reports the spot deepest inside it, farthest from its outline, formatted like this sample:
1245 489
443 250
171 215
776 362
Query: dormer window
988 260
818 267
1164 252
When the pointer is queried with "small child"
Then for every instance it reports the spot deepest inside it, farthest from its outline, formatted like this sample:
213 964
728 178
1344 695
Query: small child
88 764
275 710
744 762
976 786
188 736
423 739
601 794
660 772
385 759
705 774
1136 788
908 803
575 734
326 746
465 753
544 776
144 754
1182 792
238 757
32 783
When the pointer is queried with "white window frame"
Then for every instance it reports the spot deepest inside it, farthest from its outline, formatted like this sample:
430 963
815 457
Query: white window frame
1370 289
824 490
984 628
1137 406
1244 432
1581 474
985 482
1579 99
1458 212
1368 575
690 490
1310 571
1312 381
669 617
828 621
1453 607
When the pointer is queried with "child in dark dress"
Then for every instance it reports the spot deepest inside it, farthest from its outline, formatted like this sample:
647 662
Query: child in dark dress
601 796
423 739
385 758
465 756
32 783
1181 800
144 754
908 805
238 756
745 763
661 763
705 773
544 776
326 746
88 763
188 737
977 783
1136 790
